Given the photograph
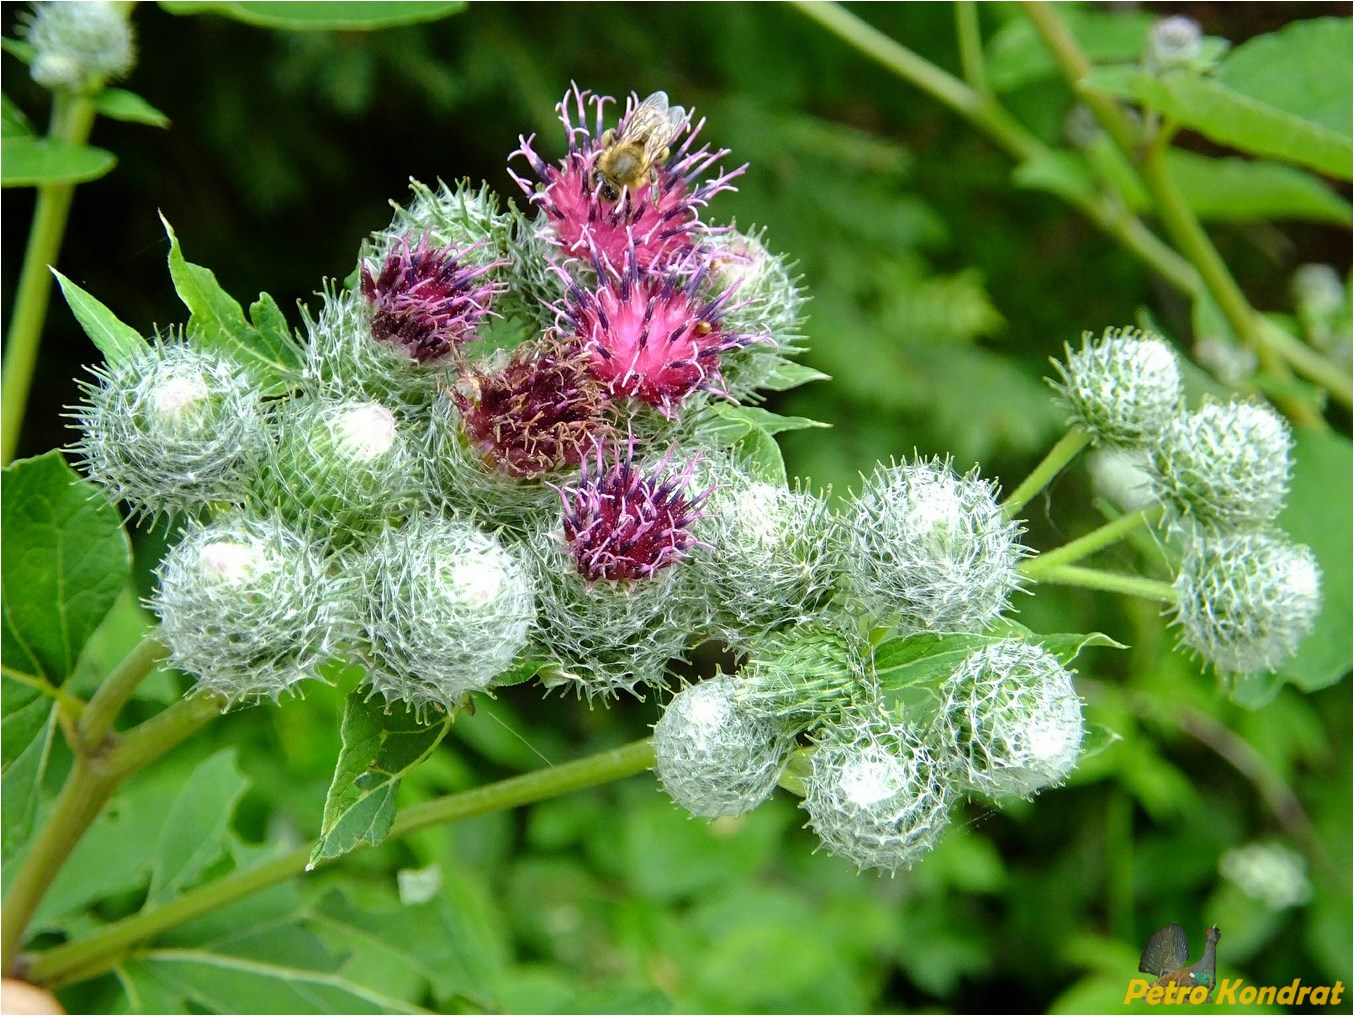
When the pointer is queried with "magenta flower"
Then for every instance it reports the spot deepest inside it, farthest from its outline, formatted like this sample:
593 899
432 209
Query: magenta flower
537 415
661 220
426 300
622 525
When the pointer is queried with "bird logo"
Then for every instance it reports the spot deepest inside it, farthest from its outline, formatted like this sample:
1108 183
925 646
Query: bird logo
1167 953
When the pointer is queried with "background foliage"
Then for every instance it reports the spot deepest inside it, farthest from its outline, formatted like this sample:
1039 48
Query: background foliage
939 291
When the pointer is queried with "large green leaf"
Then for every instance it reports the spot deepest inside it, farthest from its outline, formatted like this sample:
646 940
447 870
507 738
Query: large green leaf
114 339
64 558
336 16
1230 117
25 746
30 161
262 346
1254 190
196 828
380 744
1303 69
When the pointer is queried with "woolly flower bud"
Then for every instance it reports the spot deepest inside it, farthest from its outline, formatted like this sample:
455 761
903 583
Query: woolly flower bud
713 756
1268 872
929 549
1122 389
79 45
1010 719
343 463
170 429
875 795
797 677
1120 474
604 637
1225 464
1246 599
768 560
448 608
247 607
1174 42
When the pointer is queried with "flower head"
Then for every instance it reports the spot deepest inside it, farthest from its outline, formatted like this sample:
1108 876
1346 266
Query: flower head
537 414
651 336
77 45
1122 389
660 221
425 300
623 524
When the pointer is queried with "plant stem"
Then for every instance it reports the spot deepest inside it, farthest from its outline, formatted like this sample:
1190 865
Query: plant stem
1180 222
993 120
970 37
102 709
90 783
72 119
93 955
1083 546
1110 582
1069 446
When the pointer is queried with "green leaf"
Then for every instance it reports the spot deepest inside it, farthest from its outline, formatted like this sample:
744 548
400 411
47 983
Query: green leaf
13 123
117 342
380 745
1231 118
789 374
21 49
335 16
1254 190
1018 56
30 162
758 452
120 104
64 558
196 828
25 747
1319 515
522 669
264 347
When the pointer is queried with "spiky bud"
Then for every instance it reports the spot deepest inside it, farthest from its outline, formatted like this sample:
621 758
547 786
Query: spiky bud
713 755
928 549
1009 721
1122 389
448 607
345 464
808 672
248 607
1245 600
874 795
1224 465
80 45
170 429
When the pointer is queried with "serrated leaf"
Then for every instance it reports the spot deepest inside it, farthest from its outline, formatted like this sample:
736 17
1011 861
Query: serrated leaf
1230 118
218 323
380 745
64 558
120 104
195 831
117 341
27 161
340 16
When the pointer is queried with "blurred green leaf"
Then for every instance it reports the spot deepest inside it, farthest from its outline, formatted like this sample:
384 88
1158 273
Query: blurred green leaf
21 49
333 16
1254 190
195 830
380 745
27 161
1303 69
65 558
13 123
120 104
117 342
1017 55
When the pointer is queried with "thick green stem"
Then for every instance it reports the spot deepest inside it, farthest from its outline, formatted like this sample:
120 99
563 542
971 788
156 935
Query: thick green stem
993 120
97 953
1110 582
88 787
102 709
72 119
970 44
1069 446
1098 539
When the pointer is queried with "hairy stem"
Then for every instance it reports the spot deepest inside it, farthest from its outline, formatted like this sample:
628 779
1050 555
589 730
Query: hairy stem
1069 446
91 956
1098 539
1109 582
72 119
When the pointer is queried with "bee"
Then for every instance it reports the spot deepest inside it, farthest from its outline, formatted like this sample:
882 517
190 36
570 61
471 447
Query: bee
630 158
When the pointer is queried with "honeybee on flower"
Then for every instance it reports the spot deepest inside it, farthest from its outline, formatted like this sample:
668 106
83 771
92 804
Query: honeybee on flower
629 157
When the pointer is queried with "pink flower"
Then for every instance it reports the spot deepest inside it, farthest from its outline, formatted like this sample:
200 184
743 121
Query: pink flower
425 300
537 415
650 335
623 525
661 220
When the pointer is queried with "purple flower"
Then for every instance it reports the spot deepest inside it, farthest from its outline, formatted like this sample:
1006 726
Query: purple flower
651 335
536 415
661 220
426 300
622 524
